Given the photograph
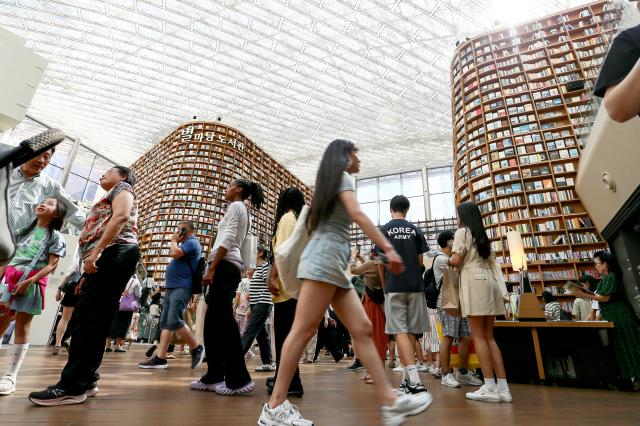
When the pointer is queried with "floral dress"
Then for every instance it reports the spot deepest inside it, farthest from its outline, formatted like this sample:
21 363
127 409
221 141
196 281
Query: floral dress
626 336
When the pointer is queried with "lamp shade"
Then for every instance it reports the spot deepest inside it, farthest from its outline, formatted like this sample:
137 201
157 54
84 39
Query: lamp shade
516 251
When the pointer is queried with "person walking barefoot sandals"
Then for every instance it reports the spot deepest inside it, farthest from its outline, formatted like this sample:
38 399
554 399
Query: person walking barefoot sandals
40 246
322 268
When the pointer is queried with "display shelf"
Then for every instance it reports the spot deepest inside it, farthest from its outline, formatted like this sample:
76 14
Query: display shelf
184 178
521 103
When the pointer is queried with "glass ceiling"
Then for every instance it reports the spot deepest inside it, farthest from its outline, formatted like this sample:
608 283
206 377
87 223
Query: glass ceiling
291 74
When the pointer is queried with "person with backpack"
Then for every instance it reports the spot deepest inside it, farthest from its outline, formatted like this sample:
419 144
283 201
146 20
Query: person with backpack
181 277
453 328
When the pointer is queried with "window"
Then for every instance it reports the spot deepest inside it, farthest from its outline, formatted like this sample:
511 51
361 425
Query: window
374 195
441 200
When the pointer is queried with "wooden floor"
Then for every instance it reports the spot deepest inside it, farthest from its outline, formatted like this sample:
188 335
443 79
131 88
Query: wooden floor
333 397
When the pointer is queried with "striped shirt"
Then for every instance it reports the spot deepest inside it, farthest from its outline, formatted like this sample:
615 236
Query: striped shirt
552 311
26 193
259 290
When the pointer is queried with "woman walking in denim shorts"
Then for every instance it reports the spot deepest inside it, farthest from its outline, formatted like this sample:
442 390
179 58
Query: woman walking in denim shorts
322 268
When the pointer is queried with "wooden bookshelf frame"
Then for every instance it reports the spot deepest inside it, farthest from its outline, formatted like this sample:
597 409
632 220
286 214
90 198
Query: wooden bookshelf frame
518 132
184 177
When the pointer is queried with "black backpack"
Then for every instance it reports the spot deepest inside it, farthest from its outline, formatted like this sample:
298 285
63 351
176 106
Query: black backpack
196 276
431 288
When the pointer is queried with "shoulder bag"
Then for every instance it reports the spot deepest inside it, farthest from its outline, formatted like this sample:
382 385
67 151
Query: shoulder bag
287 255
249 249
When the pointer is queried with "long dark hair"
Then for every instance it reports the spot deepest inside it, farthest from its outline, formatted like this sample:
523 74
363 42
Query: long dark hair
471 218
335 160
55 224
251 190
611 261
290 198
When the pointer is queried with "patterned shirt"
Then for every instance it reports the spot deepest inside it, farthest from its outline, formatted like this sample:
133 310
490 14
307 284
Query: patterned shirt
259 289
26 193
100 215
29 246
552 311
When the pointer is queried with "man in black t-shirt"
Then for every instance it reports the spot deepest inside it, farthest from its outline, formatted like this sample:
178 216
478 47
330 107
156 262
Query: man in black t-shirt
405 307
619 79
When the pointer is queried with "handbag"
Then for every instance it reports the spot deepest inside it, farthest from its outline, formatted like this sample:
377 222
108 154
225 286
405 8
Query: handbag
451 292
129 303
249 249
287 255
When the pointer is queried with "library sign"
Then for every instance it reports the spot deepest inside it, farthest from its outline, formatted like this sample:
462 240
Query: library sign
191 134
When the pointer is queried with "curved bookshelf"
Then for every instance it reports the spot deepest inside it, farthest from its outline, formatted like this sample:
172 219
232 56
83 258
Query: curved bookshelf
521 102
184 177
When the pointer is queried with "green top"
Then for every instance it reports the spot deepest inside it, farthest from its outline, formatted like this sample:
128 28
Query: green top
609 285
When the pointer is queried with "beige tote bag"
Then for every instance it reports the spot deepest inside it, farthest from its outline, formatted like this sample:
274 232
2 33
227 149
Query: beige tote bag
287 255
451 291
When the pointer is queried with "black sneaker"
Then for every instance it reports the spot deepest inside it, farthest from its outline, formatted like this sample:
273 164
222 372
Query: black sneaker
410 388
197 355
55 396
154 363
108 349
150 351
356 366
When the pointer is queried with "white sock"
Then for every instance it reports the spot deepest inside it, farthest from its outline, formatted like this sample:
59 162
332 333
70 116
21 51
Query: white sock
502 385
412 372
16 356
404 374
490 384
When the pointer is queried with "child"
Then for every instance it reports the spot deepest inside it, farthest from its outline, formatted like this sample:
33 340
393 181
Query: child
241 302
39 247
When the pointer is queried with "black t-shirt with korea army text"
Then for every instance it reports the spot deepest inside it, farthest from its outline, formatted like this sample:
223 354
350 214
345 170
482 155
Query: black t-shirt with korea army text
621 58
409 242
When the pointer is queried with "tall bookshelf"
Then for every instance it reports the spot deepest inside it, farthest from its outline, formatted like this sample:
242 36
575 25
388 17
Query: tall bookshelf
184 177
521 101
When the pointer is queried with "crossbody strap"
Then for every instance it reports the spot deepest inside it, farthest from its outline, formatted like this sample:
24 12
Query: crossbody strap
248 221
34 261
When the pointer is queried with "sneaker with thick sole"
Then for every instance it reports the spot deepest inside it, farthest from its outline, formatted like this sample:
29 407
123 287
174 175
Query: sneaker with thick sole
154 363
505 396
266 368
197 355
405 406
356 366
467 379
7 385
437 373
412 388
120 350
224 390
450 381
204 387
398 369
423 368
285 414
484 394
53 396
92 391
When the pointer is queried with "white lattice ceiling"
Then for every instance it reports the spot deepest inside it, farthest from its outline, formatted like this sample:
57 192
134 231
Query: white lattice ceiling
291 74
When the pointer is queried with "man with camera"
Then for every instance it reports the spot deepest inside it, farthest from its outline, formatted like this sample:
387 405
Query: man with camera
186 252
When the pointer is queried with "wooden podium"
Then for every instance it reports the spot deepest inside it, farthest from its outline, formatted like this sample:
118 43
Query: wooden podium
530 308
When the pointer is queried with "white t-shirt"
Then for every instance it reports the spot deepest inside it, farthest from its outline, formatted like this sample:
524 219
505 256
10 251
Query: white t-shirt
439 265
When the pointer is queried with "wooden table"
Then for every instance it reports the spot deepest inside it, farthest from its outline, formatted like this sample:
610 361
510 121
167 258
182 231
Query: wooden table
535 325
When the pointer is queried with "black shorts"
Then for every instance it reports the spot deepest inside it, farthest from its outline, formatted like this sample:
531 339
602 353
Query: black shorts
70 299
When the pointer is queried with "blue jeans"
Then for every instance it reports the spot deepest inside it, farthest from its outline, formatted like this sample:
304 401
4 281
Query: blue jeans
175 302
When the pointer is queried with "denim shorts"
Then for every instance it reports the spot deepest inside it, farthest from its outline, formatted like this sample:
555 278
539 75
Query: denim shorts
175 302
325 259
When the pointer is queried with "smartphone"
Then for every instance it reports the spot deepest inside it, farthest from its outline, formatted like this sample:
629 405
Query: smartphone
357 248
183 231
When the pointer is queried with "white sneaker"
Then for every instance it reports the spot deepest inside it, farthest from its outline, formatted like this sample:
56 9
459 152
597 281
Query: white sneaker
405 406
437 372
467 379
505 396
422 368
450 381
285 414
398 369
265 368
7 385
484 394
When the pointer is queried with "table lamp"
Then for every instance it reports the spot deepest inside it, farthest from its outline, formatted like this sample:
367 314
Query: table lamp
528 304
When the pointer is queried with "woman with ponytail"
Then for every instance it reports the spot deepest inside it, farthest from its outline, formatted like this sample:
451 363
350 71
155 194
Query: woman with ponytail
227 373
